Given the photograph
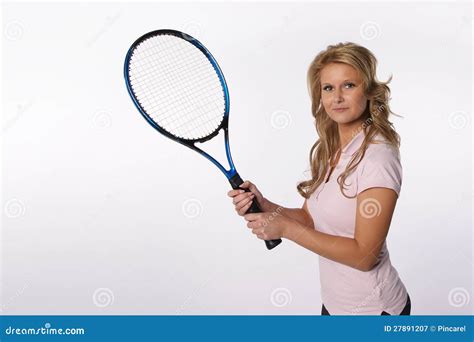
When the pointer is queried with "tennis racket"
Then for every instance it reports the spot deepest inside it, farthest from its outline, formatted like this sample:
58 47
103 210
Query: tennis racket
178 87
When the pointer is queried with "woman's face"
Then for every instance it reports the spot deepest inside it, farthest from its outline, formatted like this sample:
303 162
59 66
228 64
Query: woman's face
342 93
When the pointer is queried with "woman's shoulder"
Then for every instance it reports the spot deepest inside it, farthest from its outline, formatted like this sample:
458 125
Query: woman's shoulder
381 150
380 167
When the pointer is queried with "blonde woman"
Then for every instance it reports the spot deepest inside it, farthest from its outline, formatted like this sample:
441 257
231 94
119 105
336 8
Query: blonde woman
356 177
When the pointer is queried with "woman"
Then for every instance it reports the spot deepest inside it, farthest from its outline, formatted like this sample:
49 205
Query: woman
351 196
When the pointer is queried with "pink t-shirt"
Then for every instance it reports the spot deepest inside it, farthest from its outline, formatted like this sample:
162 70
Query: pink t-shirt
346 290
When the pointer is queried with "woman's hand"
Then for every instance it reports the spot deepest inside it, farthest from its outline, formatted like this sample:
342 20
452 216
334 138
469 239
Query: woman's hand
242 200
268 225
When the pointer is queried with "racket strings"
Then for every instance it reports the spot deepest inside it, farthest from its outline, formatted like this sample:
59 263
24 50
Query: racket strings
177 86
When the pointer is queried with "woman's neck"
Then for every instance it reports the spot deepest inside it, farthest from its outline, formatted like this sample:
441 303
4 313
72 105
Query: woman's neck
348 131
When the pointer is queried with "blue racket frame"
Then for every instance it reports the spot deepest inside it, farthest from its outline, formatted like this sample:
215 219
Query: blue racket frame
234 179
188 142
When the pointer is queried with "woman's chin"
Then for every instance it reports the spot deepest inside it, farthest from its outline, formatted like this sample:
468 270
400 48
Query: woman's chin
344 119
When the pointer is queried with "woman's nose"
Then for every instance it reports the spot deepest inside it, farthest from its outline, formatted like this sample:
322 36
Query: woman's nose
338 96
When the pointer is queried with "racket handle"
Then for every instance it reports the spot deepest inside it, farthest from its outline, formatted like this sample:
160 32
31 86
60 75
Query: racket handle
235 182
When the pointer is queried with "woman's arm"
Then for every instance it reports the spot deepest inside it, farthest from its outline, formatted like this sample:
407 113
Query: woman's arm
300 215
375 208
359 252
242 201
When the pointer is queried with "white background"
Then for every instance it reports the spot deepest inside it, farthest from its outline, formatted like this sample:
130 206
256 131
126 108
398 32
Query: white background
103 215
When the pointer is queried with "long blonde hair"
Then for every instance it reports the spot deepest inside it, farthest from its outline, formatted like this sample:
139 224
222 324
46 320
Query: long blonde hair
375 116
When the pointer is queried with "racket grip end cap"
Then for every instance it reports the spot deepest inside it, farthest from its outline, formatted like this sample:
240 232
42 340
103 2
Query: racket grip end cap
272 243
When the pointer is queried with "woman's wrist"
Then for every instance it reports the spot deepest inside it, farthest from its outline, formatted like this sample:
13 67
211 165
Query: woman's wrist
287 228
268 206
291 228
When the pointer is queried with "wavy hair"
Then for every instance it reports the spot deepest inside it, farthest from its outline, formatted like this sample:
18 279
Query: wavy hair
323 152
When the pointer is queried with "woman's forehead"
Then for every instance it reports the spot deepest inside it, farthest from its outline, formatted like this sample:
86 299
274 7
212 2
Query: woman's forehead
338 72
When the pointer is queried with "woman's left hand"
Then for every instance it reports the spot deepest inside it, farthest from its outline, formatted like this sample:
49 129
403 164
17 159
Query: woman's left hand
267 225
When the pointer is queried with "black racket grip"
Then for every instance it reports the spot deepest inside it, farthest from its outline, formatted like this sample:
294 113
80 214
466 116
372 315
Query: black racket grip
235 182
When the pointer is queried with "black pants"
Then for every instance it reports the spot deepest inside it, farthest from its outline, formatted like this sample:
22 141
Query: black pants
406 310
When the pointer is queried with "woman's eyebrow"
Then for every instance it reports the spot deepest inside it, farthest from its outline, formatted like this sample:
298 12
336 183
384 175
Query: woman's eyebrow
325 83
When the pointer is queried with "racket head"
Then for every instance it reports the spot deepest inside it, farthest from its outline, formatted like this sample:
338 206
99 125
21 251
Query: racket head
177 85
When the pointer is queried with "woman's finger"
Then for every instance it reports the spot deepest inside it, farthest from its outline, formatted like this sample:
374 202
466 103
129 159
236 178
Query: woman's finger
252 188
233 193
245 184
239 203
257 231
242 211
242 197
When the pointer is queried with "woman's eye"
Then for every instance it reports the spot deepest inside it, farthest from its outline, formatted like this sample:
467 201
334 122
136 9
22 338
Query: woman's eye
347 85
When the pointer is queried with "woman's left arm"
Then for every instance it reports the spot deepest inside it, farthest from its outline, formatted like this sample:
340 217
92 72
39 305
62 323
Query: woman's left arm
375 207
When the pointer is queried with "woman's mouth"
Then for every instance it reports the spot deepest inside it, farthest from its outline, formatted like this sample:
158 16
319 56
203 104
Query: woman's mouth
340 109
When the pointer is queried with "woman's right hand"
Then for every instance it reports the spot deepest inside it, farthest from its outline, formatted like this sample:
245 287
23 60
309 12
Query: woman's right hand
243 200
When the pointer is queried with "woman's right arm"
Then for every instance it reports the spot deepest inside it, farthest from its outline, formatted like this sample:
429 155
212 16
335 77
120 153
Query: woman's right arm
301 215
243 200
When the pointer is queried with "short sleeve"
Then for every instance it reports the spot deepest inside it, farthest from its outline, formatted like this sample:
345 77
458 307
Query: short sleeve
381 168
